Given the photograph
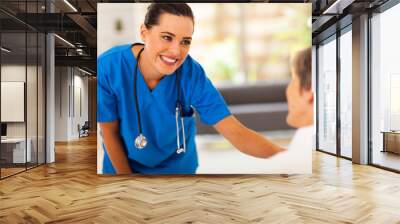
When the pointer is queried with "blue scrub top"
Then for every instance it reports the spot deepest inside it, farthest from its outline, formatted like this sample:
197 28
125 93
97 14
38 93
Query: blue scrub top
116 101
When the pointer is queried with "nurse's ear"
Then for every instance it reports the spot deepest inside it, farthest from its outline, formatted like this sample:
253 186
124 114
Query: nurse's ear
143 32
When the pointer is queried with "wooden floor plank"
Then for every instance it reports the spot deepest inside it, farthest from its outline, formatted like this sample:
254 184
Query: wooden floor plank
70 191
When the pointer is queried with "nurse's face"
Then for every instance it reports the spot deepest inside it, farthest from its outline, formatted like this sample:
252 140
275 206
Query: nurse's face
300 103
167 44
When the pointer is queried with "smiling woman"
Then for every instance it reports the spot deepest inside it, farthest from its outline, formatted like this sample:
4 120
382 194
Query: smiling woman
168 45
147 94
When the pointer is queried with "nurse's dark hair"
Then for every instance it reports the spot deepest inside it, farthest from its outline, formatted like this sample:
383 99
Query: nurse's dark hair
155 10
301 64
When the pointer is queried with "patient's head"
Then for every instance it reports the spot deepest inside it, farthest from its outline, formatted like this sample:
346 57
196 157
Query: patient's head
299 94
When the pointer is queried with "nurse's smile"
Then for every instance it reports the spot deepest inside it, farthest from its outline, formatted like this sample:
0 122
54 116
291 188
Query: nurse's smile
169 61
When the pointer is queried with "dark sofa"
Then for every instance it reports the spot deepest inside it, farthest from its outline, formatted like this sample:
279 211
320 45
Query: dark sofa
261 107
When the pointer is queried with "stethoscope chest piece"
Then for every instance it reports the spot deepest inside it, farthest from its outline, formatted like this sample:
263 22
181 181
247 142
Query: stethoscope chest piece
140 141
180 150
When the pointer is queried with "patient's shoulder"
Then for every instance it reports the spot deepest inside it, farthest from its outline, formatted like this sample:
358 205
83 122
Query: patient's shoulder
302 139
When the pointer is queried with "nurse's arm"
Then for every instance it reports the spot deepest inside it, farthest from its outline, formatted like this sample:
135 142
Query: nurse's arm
114 147
245 139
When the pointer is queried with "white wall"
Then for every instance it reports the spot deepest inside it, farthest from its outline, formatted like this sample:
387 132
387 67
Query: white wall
33 126
107 34
12 73
70 83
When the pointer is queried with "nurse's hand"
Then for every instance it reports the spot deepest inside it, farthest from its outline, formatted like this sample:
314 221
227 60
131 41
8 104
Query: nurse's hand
114 147
246 140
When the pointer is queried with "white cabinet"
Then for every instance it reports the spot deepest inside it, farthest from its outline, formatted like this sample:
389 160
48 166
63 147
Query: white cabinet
17 147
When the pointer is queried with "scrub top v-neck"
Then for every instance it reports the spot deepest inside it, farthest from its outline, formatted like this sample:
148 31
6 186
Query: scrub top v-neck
116 102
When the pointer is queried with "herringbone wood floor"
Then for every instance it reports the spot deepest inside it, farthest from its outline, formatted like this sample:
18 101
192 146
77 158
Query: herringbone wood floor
69 191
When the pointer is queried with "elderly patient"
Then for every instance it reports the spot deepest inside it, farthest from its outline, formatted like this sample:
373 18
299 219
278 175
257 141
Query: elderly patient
300 100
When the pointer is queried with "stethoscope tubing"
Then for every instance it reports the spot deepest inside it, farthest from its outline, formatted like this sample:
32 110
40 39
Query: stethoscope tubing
141 141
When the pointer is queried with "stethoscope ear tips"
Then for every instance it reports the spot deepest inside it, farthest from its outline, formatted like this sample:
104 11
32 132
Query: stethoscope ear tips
140 141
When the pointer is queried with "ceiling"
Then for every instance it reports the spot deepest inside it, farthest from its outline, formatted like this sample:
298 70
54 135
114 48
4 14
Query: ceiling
76 20
330 15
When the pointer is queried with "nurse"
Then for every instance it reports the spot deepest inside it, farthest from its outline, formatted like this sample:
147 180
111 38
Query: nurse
147 95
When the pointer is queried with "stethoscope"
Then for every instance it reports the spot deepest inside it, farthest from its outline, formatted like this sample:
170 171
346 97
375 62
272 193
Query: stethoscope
141 140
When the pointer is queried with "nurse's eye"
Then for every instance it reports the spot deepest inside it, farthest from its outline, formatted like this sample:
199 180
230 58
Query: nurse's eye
186 42
167 38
